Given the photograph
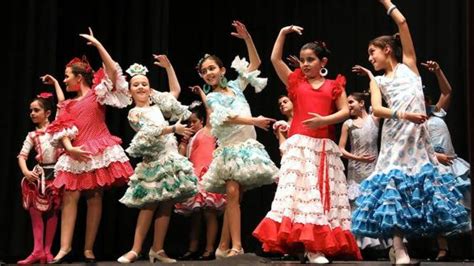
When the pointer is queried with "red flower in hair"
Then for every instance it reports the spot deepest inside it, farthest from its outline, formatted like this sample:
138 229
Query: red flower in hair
75 60
45 95
83 62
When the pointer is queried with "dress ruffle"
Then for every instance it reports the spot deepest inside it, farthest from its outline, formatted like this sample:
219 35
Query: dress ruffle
311 209
202 200
241 66
289 237
169 106
62 127
118 96
109 155
33 197
116 173
170 177
246 163
426 203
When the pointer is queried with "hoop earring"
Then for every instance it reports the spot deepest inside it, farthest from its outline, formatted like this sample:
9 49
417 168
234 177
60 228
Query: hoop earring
206 88
323 72
223 82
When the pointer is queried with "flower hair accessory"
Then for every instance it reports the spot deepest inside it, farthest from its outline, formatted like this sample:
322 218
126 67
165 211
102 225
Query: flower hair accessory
82 62
200 62
195 104
137 69
45 95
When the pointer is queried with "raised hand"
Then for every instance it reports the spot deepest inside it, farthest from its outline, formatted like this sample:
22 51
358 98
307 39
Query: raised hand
362 71
314 122
90 38
263 122
431 65
240 30
196 89
48 79
294 61
292 28
161 61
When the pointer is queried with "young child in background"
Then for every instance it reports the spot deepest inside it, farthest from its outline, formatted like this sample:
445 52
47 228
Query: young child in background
362 130
40 197
199 149
443 147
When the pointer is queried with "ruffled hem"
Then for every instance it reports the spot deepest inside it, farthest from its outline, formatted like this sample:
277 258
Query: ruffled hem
246 163
33 198
289 237
116 173
202 200
423 204
171 177
110 155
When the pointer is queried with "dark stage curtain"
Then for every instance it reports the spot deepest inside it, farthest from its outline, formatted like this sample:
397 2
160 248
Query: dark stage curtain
42 36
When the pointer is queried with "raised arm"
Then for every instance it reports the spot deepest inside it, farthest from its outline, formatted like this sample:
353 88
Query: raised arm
408 50
280 66
443 83
198 90
242 33
173 83
50 80
107 60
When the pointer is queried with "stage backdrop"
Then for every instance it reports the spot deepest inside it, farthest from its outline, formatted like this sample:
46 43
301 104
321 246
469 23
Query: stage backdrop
42 36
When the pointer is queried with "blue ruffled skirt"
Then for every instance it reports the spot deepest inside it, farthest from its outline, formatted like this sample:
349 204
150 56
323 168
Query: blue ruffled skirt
426 203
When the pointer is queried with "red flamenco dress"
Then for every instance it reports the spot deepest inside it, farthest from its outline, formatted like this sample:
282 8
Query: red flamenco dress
83 121
310 211
200 149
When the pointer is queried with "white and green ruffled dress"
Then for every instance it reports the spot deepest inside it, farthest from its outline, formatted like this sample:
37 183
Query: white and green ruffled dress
163 174
239 156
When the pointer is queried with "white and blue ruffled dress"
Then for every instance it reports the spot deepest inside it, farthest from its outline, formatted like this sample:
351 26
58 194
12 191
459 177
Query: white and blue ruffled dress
441 141
164 174
239 156
408 190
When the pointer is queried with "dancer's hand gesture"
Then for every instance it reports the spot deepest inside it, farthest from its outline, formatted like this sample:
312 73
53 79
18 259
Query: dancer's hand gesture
292 28
415 117
362 71
316 121
432 66
161 61
183 130
48 79
90 38
240 30
263 122
367 158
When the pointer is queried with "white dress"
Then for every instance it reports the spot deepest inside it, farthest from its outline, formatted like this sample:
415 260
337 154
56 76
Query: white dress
408 191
